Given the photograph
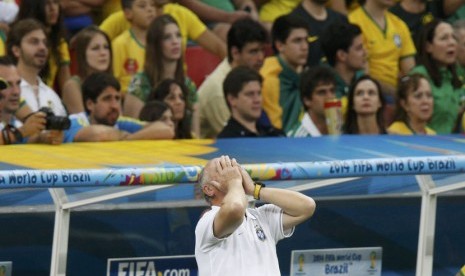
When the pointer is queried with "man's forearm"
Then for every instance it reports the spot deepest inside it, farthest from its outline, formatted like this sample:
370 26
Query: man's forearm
232 211
155 130
292 203
205 12
296 207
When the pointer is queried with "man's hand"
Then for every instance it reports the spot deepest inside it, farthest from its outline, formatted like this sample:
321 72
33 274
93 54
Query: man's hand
236 15
229 175
52 137
34 124
247 182
234 202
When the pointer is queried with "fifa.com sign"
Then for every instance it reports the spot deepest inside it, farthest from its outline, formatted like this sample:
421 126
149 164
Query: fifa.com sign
153 266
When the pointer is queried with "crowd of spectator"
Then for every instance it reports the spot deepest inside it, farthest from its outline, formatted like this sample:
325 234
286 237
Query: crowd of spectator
107 70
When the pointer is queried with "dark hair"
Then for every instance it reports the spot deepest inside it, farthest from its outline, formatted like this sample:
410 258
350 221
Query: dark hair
126 4
313 77
245 31
6 61
236 79
18 31
37 9
153 111
283 26
425 36
351 123
160 92
94 85
153 66
338 36
405 86
81 43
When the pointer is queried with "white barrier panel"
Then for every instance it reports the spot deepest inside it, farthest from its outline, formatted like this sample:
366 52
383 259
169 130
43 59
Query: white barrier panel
363 261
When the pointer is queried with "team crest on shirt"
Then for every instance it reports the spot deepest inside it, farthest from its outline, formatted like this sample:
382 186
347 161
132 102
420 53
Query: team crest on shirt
397 40
427 18
260 233
131 66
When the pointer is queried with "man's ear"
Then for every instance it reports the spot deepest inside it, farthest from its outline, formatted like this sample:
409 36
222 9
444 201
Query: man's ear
89 104
234 53
208 190
230 98
307 101
341 55
16 51
279 46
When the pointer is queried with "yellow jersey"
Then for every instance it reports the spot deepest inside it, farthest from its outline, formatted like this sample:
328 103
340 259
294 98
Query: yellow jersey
65 59
2 44
275 8
401 128
190 26
385 47
128 58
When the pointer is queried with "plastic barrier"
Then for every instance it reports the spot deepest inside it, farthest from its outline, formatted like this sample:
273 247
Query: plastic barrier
269 171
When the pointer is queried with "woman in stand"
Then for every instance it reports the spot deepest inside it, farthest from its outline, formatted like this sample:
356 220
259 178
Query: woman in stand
93 54
437 51
414 107
48 12
157 111
174 94
163 60
365 108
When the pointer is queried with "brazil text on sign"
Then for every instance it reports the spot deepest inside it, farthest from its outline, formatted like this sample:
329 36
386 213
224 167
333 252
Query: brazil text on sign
364 261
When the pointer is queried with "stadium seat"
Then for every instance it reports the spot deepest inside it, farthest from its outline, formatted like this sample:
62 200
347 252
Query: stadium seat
200 63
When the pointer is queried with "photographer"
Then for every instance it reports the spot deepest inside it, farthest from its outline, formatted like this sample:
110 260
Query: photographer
27 44
13 131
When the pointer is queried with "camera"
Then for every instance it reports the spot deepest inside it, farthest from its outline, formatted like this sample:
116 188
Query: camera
55 122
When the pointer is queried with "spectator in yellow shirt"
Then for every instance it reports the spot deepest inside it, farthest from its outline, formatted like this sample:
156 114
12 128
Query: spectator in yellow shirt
129 47
414 106
190 25
388 41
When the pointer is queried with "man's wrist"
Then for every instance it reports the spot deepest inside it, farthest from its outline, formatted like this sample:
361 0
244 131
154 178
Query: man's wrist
18 136
258 186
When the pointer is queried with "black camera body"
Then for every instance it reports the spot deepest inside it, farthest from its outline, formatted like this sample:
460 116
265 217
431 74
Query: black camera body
55 122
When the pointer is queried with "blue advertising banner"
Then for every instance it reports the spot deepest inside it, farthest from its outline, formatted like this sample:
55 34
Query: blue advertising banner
363 261
153 266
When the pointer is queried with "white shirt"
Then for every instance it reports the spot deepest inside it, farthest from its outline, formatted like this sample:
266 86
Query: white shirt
8 11
45 97
306 128
213 110
249 251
